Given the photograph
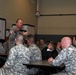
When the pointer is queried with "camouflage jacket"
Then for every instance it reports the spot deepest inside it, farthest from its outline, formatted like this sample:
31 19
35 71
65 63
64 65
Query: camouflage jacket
12 37
18 56
35 53
68 57
35 56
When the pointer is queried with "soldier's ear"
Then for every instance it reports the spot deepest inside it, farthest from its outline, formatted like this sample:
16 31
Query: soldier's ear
15 39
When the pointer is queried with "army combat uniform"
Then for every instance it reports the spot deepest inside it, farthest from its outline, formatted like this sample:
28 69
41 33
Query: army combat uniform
18 56
35 56
68 57
13 35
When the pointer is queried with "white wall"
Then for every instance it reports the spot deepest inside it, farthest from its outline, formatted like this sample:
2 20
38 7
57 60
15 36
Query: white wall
11 10
57 24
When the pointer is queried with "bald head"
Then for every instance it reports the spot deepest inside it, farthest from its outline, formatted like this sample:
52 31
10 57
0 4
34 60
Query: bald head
66 42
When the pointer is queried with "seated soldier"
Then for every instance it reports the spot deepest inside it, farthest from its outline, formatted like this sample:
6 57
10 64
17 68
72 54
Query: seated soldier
35 52
18 55
66 56
42 44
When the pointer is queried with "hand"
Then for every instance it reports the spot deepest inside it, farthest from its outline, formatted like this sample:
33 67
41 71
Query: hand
11 32
58 45
25 33
50 59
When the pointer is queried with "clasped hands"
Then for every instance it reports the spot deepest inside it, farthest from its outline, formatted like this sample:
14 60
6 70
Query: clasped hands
50 60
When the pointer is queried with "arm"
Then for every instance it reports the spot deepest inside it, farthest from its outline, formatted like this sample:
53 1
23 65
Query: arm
12 34
11 59
35 54
59 59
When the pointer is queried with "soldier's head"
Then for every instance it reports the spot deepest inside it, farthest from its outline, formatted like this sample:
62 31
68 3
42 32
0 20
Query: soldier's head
19 39
19 23
30 39
42 41
66 42
74 40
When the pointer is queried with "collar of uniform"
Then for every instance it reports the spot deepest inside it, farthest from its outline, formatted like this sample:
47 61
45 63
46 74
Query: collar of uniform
49 50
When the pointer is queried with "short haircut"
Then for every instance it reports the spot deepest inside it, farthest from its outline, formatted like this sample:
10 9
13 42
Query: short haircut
42 39
18 20
30 37
66 40
19 38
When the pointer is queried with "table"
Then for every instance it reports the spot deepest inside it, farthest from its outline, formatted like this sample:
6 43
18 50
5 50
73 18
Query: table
44 66
3 55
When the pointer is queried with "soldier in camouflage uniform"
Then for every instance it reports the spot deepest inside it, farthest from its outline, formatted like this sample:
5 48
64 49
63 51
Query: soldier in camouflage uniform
2 50
66 56
35 52
18 56
14 31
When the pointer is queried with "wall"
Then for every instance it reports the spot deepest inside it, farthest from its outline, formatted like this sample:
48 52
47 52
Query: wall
11 10
49 37
50 24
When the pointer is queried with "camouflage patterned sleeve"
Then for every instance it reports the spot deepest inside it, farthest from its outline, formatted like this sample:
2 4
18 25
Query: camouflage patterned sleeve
35 53
12 33
11 59
61 58
12 37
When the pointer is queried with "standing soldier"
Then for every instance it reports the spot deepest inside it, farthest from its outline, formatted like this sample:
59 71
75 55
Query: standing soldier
14 31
